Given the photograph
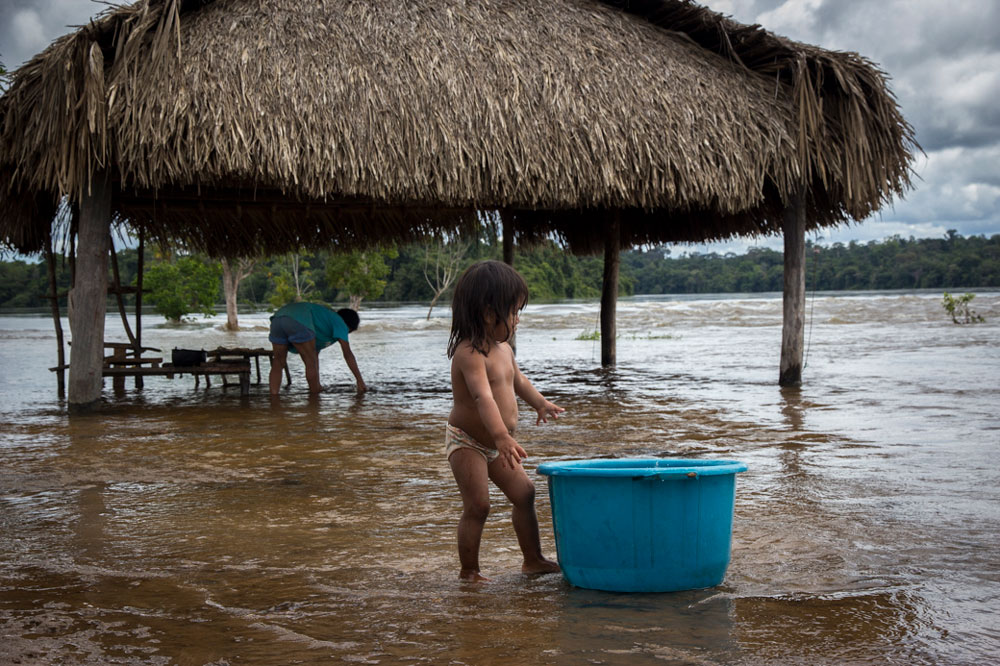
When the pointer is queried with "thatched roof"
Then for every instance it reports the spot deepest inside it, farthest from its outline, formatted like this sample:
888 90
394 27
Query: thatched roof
239 126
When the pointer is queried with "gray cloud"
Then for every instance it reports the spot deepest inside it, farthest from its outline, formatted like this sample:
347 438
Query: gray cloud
944 67
28 26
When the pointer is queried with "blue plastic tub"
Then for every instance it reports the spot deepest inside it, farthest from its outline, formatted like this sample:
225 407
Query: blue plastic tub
637 525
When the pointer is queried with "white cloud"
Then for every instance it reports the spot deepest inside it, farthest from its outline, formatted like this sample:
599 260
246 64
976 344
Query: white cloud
944 67
794 17
27 27
28 32
960 188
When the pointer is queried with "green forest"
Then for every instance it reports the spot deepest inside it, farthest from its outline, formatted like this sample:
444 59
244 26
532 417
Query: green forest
417 273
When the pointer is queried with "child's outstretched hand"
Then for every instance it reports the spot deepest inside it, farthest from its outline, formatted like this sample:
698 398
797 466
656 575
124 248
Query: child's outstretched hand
548 409
511 453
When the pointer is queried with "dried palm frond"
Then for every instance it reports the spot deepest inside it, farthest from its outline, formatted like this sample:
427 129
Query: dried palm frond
240 126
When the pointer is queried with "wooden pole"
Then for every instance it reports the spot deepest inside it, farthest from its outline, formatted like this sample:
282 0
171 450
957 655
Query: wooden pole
119 381
609 293
117 287
138 301
50 260
507 229
88 297
794 299
508 237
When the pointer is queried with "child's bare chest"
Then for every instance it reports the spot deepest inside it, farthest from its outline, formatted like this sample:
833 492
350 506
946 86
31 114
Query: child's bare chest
500 367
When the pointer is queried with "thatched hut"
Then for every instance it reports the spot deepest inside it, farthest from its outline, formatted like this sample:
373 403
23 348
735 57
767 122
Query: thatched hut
239 127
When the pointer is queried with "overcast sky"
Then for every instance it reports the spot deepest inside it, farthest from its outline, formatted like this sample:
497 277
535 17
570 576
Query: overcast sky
943 59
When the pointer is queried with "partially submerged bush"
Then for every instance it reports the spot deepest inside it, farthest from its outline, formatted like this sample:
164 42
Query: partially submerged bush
958 308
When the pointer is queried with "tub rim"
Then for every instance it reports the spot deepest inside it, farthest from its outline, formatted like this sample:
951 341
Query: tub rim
641 467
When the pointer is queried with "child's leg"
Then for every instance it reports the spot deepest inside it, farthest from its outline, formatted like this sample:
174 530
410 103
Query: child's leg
519 489
469 468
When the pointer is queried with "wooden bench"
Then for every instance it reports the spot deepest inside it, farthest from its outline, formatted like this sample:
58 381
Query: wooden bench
124 354
224 368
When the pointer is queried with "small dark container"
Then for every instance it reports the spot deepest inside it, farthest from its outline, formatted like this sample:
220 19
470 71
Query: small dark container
188 357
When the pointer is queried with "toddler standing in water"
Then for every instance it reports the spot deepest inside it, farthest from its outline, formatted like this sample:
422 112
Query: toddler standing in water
485 381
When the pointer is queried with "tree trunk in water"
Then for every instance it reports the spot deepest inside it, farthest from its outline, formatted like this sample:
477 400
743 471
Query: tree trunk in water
88 297
231 278
609 293
433 303
794 298
230 284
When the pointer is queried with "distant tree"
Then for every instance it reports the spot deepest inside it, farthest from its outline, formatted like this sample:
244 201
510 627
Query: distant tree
282 291
231 278
178 288
361 274
951 262
292 283
22 284
443 261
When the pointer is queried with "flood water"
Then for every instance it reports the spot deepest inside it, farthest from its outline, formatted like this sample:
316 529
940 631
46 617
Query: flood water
195 526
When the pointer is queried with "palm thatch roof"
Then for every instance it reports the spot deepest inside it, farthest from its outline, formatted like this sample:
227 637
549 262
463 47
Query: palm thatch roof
236 126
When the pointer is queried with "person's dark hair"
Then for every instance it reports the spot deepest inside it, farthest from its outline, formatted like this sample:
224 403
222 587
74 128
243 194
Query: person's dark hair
485 288
350 318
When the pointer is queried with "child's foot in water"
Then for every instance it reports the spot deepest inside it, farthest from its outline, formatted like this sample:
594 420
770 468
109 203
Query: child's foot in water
540 566
472 576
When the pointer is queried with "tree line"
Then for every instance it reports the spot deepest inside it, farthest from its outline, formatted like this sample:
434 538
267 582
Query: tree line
424 272
950 262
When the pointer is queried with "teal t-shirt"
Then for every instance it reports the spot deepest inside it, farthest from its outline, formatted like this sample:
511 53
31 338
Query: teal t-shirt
321 320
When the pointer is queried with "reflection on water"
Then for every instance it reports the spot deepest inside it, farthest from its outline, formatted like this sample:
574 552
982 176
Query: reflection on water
194 526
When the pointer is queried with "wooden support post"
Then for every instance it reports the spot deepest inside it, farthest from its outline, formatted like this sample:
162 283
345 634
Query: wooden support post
138 301
88 297
609 292
118 383
50 261
507 225
506 221
794 301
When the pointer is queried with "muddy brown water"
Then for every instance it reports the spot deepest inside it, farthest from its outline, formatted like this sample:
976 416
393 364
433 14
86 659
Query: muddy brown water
193 526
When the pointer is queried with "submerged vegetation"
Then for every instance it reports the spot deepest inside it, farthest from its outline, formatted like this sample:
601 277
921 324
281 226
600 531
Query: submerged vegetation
958 308
400 274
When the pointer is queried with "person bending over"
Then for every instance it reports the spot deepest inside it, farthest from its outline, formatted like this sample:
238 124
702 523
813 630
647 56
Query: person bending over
307 328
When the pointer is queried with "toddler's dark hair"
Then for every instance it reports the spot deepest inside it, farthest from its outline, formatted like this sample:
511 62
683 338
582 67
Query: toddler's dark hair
350 318
485 288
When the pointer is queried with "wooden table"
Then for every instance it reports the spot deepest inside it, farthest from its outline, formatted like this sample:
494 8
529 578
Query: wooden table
223 354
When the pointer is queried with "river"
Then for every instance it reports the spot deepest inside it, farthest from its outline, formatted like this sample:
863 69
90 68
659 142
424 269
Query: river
196 526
